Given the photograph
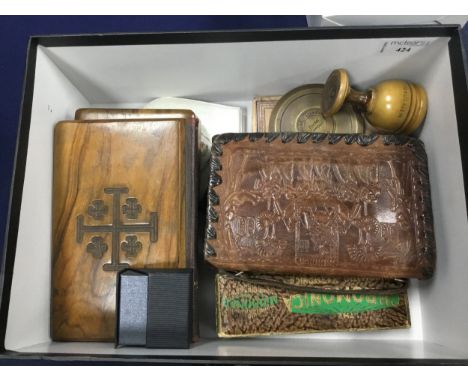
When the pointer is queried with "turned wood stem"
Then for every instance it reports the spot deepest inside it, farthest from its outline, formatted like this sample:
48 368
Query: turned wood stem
358 97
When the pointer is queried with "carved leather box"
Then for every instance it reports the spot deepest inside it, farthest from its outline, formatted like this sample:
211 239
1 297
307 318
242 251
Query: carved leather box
319 204
124 195
260 305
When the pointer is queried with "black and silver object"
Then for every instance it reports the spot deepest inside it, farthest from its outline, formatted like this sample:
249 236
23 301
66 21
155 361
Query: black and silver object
154 308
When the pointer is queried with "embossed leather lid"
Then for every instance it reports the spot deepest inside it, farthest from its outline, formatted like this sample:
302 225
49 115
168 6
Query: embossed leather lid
319 204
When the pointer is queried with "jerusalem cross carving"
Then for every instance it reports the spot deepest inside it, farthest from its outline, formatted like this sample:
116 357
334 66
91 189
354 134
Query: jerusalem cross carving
131 246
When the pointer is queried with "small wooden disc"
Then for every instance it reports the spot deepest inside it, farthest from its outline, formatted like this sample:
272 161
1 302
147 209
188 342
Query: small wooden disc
335 92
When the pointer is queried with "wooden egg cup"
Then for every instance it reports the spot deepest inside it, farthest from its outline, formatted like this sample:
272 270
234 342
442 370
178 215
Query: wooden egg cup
392 106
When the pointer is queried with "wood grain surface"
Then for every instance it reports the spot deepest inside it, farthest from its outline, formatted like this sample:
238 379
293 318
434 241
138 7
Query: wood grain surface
262 108
108 113
147 157
192 122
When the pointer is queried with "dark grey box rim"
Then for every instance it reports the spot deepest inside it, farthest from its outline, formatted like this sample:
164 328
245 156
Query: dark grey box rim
460 88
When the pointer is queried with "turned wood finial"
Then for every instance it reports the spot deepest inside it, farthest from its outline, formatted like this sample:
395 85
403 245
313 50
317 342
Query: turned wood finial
392 106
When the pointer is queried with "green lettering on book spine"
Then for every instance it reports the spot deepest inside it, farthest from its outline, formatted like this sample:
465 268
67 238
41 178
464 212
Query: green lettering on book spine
249 301
313 303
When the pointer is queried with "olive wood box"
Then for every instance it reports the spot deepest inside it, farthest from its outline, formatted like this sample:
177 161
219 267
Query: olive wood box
64 73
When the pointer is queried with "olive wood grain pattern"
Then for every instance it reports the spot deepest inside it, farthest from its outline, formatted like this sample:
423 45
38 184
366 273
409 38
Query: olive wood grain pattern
192 121
109 113
134 179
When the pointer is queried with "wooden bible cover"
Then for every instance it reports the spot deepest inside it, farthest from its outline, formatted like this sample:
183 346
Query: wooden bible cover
320 204
124 195
103 113
204 141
